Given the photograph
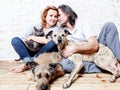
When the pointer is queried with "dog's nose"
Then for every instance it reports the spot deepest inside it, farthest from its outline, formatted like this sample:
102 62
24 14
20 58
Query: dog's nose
44 87
59 40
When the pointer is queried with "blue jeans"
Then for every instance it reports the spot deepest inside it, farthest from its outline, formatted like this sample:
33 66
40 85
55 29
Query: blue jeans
20 48
109 37
49 47
26 54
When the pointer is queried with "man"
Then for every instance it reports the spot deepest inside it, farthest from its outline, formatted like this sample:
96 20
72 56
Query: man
81 31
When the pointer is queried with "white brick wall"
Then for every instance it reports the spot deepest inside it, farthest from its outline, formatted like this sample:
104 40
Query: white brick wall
16 16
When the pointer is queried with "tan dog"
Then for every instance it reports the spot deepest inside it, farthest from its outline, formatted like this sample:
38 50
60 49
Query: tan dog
104 58
45 68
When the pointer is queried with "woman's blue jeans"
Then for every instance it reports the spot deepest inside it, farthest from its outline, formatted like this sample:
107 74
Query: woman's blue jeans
23 52
20 48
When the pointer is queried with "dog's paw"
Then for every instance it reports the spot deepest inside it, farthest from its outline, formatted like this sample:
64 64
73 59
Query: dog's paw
112 79
66 85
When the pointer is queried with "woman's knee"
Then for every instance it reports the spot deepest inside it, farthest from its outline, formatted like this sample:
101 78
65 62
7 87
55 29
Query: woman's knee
15 40
51 44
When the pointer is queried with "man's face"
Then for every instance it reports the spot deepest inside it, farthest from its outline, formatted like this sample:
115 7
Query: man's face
62 18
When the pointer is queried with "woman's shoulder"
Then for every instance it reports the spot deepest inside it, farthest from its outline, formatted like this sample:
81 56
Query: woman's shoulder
56 27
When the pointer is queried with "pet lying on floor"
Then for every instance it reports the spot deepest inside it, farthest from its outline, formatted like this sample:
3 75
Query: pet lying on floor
45 69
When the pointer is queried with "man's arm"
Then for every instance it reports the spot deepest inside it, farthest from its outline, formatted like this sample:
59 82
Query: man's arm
87 47
83 48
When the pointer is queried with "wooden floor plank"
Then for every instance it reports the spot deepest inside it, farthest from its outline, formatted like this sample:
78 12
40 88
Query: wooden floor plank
21 81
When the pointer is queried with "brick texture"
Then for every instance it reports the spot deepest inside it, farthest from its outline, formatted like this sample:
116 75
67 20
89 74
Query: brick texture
17 16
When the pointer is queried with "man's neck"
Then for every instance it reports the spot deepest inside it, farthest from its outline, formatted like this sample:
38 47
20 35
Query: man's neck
69 26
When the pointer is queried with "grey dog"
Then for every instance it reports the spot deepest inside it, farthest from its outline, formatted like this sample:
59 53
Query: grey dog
103 58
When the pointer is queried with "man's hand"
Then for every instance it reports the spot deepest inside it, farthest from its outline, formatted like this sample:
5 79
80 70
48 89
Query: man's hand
69 50
90 46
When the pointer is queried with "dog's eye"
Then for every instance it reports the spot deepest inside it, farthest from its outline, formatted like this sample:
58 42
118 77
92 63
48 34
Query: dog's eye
55 35
47 75
39 76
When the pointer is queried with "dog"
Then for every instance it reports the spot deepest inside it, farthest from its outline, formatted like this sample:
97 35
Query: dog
45 69
32 45
103 58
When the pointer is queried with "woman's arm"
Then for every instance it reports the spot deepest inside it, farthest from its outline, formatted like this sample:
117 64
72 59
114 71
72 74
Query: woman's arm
41 40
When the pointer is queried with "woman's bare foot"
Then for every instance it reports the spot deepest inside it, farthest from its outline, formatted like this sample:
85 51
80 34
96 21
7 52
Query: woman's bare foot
20 68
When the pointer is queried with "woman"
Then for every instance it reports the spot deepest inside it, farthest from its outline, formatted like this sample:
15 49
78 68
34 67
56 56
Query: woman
49 18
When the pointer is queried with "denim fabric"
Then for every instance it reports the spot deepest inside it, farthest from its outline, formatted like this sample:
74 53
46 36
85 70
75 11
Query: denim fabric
23 52
49 47
109 37
89 67
20 48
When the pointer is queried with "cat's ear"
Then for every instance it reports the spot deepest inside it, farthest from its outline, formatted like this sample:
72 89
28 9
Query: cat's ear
35 28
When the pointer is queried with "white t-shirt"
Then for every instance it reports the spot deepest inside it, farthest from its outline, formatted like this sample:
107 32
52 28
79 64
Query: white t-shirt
31 31
81 32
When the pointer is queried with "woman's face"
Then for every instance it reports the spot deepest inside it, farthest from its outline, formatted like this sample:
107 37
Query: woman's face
63 18
51 18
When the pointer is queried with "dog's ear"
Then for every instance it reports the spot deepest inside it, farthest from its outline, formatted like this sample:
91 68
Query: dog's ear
49 34
54 65
52 68
31 64
67 32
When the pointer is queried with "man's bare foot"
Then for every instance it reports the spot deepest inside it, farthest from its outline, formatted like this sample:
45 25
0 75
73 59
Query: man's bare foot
20 68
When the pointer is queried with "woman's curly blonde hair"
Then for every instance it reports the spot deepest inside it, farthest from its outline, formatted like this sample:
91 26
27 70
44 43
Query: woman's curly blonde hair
44 14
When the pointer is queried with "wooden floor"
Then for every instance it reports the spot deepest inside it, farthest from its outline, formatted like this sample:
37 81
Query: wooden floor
20 81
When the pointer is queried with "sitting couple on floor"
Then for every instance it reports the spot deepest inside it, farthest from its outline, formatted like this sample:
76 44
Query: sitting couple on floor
80 30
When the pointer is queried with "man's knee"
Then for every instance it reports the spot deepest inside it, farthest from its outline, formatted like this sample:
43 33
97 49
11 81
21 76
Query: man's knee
110 26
